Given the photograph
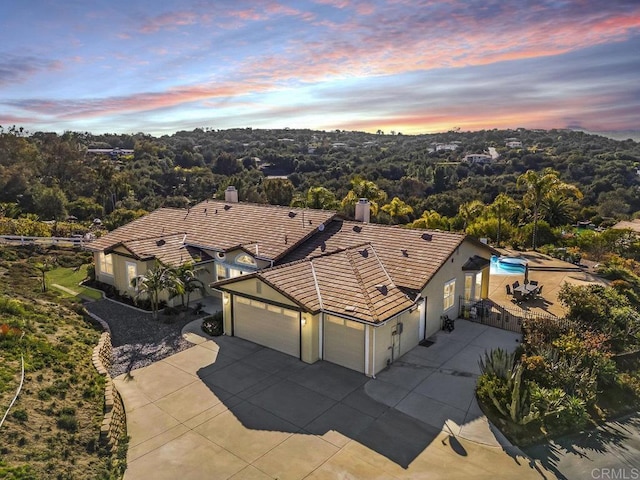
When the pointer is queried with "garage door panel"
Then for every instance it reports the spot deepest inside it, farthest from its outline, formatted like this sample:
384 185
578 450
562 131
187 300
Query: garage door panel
266 324
344 342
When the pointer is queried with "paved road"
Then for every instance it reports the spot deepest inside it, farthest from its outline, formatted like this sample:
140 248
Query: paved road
611 451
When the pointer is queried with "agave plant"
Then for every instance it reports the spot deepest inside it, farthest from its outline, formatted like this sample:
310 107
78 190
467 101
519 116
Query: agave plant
497 362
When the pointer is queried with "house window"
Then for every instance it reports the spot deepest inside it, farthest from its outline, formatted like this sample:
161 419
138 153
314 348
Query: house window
132 272
449 294
106 264
234 272
245 259
221 272
468 285
478 290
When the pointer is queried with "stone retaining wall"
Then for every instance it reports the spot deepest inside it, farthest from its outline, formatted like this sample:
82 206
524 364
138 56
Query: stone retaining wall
114 424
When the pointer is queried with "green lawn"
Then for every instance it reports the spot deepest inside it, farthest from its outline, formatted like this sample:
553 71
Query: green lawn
69 279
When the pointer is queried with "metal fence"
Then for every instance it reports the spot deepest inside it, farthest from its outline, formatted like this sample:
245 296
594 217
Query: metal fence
507 318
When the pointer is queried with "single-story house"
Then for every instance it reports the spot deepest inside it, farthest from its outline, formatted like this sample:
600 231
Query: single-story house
480 158
309 283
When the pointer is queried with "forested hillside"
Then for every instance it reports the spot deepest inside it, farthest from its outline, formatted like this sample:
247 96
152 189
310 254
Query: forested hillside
56 176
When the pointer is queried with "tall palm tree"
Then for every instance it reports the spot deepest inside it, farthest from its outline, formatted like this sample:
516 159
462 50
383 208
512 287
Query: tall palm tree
153 282
361 188
502 207
539 186
397 209
469 211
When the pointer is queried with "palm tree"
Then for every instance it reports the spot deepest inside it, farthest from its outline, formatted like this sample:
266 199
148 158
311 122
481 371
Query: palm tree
397 209
361 188
431 219
153 282
502 207
469 211
557 210
538 187
188 282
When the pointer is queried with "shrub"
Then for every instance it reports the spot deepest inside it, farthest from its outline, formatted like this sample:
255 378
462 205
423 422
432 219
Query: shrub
68 422
571 416
91 272
11 306
213 325
20 415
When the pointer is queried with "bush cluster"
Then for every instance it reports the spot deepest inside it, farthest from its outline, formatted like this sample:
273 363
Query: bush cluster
212 325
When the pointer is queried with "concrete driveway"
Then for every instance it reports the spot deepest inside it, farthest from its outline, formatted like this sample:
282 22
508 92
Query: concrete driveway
228 408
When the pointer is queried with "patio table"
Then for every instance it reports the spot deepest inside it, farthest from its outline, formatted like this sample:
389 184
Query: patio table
526 289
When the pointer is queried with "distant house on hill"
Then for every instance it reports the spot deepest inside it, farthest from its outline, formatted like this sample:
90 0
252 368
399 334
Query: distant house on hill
633 225
513 143
481 158
112 152
438 147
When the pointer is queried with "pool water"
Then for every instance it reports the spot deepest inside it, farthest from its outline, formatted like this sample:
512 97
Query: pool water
507 265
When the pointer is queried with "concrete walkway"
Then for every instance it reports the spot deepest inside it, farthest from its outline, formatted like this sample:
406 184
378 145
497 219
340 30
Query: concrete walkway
228 408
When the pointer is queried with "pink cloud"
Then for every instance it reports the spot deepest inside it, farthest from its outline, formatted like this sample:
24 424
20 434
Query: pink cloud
169 20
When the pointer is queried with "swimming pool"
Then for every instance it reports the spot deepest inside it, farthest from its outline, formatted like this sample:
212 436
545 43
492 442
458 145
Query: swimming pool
507 265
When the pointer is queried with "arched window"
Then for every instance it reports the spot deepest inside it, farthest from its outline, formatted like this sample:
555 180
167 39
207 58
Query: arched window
244 259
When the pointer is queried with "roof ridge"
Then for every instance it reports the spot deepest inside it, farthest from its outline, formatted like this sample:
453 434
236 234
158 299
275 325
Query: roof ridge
123 242
264 205
283 265
384 269
400 227
315 281
339 250
367 297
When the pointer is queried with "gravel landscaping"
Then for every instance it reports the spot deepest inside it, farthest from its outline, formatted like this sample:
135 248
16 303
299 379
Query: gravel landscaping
138 340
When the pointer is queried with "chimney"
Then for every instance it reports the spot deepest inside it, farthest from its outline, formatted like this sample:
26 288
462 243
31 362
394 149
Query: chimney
363 210
231 194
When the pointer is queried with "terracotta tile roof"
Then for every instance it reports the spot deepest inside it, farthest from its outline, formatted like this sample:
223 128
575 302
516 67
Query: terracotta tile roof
222 226
626 224
411 257
350 282
169 249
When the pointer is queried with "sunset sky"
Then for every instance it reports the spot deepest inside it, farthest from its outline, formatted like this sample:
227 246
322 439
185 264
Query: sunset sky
158 66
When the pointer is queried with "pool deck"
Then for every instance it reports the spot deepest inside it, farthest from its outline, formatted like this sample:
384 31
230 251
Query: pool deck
548 271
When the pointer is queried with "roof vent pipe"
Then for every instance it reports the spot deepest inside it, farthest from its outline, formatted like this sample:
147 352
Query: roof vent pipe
363 210
231 194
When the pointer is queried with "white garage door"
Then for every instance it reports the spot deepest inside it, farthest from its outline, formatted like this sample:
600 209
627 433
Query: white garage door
344 342
265 324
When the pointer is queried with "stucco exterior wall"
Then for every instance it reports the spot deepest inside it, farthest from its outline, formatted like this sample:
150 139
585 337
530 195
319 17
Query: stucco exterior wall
452 269
264 291
381 346
310 352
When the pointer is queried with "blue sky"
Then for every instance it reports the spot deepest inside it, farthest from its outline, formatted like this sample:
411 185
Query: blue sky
410 66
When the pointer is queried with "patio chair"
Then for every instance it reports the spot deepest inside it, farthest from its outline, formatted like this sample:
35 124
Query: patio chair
516 284
533 282
518 296
508 287
539 291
